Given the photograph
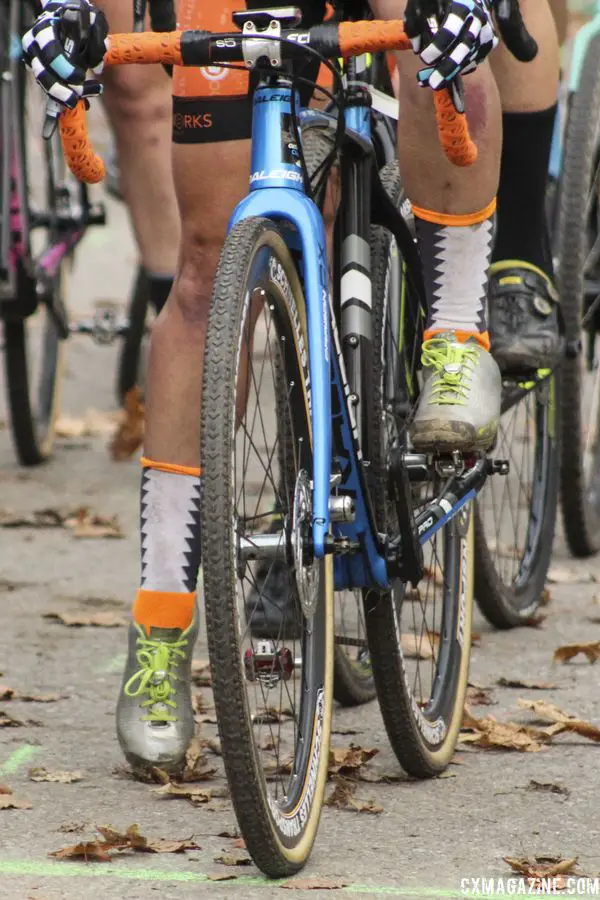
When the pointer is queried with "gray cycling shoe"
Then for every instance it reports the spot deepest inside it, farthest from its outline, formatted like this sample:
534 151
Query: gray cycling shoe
524 317
459 406
155 718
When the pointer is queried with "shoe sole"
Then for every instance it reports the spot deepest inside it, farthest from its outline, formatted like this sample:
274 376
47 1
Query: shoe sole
445 437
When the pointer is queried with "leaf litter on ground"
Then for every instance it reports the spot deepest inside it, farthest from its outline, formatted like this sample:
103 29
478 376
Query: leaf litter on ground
201 676
233 859
479 696
490 734
8 693
534 867
549 787
81 521
60 777
129 435
81 620
562 721
99 850
522 683
93 423
9 801
342 797
569 651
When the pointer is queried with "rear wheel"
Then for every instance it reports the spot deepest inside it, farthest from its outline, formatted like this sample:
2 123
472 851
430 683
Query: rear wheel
516 513
134 349
273 696
419 638
32 337
578 250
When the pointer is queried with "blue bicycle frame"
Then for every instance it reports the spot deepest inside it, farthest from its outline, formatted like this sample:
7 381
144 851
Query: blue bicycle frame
277 192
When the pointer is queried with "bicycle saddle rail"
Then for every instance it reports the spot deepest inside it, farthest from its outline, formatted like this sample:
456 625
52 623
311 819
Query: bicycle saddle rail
202 48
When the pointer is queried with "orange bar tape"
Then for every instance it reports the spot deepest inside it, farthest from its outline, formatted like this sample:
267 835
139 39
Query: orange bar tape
453 131
370 37
147 47
83 162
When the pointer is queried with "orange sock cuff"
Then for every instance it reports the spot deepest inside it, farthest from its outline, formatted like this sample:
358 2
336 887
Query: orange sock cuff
436 218
163 609
482 337
170 467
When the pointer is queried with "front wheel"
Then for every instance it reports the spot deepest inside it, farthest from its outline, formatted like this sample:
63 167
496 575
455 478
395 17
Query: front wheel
273 695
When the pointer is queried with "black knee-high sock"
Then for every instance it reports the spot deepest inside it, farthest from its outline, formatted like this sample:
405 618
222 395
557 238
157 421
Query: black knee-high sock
521 225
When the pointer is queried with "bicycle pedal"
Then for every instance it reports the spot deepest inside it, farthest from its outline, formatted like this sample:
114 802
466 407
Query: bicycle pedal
268 665
108 322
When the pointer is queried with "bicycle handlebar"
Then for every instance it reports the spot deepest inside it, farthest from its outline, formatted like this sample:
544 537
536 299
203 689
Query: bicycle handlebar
202 48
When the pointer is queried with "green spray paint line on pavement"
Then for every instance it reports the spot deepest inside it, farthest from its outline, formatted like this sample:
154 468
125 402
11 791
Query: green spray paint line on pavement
18 758
75 869
114 664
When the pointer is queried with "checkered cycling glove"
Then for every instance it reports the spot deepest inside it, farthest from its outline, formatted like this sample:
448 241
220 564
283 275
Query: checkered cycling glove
68 38
452 45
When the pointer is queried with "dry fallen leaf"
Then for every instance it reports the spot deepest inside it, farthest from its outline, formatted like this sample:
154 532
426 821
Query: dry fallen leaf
541 866
232 833
129 435
196 767
201 673
76 620
8 721
189 792
548 712
535 621
416 646
230 859
479 696
39 518
546 597
490 734
88 525
342 797
8 801
72 827
128 840
549 787
347 761
569 651
530 685
315 884
89 851
271 716
41 774
93 424
162 845
222 876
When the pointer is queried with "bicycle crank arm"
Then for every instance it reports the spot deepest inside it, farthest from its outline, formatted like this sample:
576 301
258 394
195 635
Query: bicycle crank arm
459 491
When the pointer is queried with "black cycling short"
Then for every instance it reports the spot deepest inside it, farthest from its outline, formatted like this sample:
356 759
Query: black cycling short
213 104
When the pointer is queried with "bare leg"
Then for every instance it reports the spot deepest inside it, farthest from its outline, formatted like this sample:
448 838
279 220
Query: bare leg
138 103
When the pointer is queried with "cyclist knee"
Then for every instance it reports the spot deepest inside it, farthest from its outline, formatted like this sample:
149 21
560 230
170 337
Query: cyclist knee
193 287
138 97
